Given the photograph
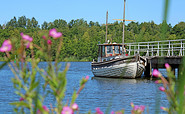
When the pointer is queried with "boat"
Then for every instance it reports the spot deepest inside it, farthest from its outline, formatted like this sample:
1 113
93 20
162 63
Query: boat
114 62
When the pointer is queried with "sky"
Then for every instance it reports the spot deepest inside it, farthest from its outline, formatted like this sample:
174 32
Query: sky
92 10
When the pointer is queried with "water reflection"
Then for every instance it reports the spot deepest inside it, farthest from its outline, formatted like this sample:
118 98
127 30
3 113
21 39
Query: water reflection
114 80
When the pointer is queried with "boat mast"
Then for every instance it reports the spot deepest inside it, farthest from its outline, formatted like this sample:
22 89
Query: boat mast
123 49
106 26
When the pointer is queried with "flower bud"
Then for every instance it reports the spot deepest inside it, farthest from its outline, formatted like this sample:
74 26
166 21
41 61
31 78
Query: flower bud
49 42
21 99
163 108
132 104
75 106
156 73
158 81
162 88
168 68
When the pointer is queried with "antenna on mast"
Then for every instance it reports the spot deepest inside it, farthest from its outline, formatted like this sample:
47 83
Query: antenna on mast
106 26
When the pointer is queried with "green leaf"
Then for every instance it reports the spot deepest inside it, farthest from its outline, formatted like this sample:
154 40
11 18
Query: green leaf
33 86
73 98
20 104
181 84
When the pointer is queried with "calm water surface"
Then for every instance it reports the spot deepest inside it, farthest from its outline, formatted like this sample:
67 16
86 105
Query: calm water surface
106 93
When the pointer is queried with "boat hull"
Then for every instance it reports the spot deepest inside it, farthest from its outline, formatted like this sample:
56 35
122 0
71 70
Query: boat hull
119 69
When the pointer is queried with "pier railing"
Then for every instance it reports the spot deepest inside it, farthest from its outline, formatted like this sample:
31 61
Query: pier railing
157 48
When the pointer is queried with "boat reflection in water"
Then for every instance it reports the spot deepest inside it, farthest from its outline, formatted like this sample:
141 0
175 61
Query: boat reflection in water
116 80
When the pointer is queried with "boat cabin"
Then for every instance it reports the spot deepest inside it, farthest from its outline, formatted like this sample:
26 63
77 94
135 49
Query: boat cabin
109 51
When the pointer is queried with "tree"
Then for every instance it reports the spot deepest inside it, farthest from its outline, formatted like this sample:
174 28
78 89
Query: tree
45 26
179 29
91 24
133 27
22 22
12 23
29 24
59 23
34 23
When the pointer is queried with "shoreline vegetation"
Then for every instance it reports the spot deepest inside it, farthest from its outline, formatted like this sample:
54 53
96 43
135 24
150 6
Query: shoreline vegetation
69 59
80 38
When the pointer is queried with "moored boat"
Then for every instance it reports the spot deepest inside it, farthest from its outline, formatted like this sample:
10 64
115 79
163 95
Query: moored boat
111 63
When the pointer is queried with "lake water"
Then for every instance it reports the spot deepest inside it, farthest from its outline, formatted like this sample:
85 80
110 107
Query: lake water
107 93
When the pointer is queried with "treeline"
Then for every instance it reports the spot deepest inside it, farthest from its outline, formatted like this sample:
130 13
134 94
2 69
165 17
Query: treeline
80 38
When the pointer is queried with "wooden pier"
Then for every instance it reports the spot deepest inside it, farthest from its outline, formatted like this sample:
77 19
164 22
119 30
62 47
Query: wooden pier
159 62
157 53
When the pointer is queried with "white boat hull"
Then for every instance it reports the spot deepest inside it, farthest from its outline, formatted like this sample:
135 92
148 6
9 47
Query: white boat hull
123 70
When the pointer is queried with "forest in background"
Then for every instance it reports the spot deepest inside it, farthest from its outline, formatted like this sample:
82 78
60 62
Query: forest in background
80 38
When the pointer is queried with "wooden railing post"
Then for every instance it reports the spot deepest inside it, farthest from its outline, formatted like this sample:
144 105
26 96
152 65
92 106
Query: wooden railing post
138 49
158 50
168 49
180 53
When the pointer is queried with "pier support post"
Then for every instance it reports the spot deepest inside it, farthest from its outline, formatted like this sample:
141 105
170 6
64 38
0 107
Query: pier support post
173 70
148 69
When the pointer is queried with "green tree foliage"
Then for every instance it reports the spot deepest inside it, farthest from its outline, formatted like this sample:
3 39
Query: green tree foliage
22 22
12 23
80 38
179 30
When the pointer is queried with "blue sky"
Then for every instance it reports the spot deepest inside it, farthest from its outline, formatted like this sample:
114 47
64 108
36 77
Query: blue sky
92 10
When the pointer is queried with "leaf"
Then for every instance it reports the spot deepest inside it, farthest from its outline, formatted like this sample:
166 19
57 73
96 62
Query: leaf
181 84
33 86
20 104
73 98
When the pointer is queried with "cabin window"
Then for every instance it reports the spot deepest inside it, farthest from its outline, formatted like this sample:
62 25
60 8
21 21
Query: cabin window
116 49
109 50
103 51
121 50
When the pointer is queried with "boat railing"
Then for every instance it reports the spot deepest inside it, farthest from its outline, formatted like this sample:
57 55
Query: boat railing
157 48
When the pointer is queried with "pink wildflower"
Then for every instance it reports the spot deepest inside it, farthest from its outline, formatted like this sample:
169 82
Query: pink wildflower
26 37
162 88
67 110
53 33
44 37
112 112
7 46
132 104
21 99
87 77
156 73
168 68
136 107
45 108
49 42
75 106
142 108
98 111
27 44
167 65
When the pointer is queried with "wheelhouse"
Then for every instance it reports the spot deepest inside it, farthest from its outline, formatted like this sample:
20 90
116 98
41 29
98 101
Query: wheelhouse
109 51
